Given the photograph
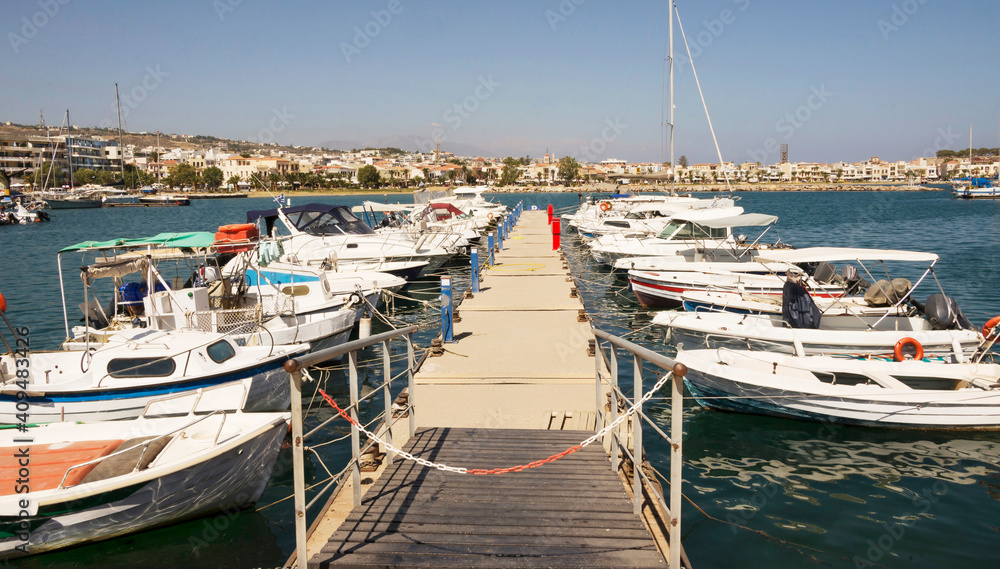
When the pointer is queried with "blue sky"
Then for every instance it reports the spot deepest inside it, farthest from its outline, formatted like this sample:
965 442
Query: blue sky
839 80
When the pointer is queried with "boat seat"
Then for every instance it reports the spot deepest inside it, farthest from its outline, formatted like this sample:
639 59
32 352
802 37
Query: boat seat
126 461
48 463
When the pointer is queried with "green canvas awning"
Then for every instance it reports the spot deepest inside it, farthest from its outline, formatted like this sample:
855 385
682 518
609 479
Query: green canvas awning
189 240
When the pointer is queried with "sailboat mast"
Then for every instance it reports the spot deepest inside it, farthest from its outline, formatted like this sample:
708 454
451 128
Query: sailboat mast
670 111
121 142
69 148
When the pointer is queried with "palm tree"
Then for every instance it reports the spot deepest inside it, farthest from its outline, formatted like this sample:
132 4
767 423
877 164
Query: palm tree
234 181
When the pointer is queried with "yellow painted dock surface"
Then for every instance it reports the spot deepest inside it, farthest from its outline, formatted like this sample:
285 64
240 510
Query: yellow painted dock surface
516 386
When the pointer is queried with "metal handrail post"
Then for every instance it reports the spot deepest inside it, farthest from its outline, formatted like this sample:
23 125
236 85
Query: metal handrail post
474 254
387 396
355 433
447 323
614 408
412 399
298 471
676 474
598 425
637 438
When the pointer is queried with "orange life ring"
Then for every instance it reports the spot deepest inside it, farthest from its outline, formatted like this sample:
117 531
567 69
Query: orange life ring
605 206
898 351
489 216
236 227
990 328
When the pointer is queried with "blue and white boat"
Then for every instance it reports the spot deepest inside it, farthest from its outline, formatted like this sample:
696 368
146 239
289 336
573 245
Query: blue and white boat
117 379
975 188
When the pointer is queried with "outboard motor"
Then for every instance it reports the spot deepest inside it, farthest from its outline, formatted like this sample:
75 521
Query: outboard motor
824 273
944 314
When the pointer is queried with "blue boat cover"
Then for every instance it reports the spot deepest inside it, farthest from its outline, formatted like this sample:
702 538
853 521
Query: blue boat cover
798 308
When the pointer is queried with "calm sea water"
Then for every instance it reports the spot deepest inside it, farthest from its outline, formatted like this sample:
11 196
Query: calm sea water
768 491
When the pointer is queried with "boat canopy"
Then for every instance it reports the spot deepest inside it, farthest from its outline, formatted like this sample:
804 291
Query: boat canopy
977 182
384 207
315 219
470 190
189 240
834 254
742 220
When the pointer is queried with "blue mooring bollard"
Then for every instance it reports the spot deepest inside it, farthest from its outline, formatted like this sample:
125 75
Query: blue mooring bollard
489 244
474 253
499 239
447 325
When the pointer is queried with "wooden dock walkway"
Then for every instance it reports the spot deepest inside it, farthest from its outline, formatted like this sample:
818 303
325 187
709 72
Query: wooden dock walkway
571 513
516 386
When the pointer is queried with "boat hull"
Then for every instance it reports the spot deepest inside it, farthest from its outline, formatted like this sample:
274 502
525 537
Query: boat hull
229 481
914 410
266 384
72 204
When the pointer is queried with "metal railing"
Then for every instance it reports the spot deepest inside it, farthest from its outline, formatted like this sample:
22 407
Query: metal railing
295 366
676 371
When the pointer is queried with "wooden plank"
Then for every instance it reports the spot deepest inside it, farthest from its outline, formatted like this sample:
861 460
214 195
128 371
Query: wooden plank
532 518
617 560
518 550
589 541
472 503
461 528
491 499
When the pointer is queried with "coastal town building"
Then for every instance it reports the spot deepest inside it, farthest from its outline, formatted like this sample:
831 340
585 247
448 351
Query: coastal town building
20 152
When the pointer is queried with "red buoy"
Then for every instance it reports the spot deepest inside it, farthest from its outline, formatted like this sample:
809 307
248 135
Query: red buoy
3 303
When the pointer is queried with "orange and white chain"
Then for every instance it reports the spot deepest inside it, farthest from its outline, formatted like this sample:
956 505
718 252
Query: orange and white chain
519 468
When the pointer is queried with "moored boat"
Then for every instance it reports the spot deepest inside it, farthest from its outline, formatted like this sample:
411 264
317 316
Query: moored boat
105 479
873 392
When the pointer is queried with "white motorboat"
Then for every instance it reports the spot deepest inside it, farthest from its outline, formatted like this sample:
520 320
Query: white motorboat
324 232
938 327
116 379
591 209
703 229
911 394
637 217
661 289
99 480
250 315
846 334
746 303
300 289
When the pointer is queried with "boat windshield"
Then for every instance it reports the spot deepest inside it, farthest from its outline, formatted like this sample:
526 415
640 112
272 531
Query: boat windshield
685 230
337 221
